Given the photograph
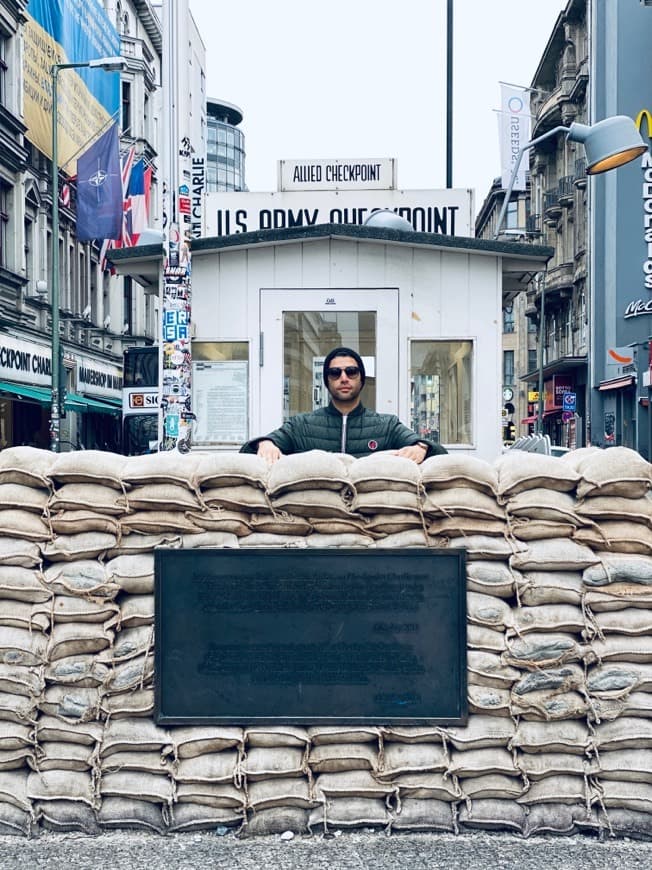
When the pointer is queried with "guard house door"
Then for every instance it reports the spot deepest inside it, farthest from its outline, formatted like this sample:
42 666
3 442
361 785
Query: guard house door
299 327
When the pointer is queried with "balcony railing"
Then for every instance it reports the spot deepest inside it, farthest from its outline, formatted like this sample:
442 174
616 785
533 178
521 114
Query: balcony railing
580 173
551 204
566 190
533 224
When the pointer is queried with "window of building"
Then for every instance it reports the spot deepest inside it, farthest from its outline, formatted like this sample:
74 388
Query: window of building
126 108
127 305
441 387
508 318
508 368
5 191
3 69
511 217
532 359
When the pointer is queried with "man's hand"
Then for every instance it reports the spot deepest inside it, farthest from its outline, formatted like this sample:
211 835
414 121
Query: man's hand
415 452
268 451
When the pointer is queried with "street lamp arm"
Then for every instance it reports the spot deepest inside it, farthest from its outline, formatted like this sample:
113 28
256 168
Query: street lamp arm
515 168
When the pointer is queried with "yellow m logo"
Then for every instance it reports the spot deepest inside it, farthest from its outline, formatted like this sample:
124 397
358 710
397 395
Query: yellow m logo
644 114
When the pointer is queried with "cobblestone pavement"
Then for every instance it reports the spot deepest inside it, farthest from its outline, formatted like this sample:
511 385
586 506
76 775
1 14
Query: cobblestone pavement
359 851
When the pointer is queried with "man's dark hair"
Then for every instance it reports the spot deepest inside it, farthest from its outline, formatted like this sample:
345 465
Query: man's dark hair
344 351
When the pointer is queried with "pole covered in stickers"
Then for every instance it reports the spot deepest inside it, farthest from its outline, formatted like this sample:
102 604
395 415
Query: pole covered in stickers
175 361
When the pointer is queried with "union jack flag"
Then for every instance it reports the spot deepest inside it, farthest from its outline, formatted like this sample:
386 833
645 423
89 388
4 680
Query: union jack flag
126 239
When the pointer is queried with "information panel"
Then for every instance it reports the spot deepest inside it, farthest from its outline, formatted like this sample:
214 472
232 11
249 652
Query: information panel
310 636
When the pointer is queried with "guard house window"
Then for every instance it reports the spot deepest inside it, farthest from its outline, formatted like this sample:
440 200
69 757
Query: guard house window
220 392
508 368
441 387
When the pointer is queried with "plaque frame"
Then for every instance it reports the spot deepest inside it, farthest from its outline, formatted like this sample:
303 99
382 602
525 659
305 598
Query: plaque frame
197 600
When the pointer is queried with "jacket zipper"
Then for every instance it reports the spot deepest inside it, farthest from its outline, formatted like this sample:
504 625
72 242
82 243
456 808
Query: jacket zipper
343 442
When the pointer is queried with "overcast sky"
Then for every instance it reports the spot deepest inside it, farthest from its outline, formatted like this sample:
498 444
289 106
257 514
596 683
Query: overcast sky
367 78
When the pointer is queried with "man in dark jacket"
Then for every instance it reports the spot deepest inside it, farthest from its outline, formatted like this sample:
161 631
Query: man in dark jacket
345 425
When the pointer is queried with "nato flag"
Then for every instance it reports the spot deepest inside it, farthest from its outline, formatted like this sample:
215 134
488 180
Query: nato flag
99 189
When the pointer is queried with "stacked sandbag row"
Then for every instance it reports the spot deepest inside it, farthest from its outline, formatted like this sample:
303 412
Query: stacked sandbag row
557 636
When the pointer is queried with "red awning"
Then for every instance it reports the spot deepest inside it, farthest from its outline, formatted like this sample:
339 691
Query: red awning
529 420
553 412
617 383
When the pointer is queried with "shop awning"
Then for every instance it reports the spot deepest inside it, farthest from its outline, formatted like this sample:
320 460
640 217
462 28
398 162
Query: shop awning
85 405
74 401
529 420
36 394
617 383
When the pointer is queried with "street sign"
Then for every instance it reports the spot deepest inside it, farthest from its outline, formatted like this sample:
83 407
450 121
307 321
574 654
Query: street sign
567 416
569 402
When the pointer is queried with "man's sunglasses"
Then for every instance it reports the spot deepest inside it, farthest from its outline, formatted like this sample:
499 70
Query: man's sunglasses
335 372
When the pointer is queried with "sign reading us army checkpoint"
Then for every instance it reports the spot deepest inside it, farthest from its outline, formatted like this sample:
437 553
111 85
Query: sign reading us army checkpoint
270 636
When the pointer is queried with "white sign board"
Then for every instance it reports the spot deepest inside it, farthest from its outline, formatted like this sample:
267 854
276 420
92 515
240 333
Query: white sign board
449 212
220 402
25 362
98 378
340 174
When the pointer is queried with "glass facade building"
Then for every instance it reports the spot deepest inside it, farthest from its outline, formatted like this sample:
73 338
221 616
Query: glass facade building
225 147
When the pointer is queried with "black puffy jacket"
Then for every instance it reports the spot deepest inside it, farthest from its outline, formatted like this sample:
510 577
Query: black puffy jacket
359 433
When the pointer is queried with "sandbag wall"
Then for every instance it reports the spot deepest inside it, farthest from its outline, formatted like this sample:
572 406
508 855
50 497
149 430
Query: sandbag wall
559 585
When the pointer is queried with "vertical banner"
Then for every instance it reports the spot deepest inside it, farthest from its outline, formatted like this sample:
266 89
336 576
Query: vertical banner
514 133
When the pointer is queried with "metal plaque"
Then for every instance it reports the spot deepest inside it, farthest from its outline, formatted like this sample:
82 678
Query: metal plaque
310 636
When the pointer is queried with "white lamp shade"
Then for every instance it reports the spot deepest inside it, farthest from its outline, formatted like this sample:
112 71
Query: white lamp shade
608 143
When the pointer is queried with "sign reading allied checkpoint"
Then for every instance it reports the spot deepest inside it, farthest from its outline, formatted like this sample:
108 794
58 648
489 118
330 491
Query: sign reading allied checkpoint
310 636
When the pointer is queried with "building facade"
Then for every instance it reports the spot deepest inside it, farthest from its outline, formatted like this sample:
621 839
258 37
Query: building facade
100 312
225 147
551 321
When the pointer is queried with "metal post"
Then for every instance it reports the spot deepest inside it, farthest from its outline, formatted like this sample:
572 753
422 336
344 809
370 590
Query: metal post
54 408
449 95
542 334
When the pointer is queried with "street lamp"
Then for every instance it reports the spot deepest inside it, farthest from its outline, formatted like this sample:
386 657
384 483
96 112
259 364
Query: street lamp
108 64
608 144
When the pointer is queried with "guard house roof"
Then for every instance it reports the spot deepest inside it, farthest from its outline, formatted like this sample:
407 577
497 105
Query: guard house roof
520 262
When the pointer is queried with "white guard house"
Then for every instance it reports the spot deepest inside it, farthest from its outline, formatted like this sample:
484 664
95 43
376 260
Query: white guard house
423 310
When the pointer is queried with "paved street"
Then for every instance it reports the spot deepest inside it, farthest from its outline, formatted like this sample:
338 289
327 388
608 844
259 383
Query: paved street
361 851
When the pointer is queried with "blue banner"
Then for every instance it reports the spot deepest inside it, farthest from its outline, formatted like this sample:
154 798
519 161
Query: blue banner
99 189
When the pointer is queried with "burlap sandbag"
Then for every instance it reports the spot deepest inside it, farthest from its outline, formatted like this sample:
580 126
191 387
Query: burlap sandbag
452 469
162 496
24 524
617 536
70 522
618 567
84 545
246 498
164 467
314 469
384 472
617 471
519 470
280 792
28 466
605 507
550 587
95 497
18 496
231 469
487 669
88 466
